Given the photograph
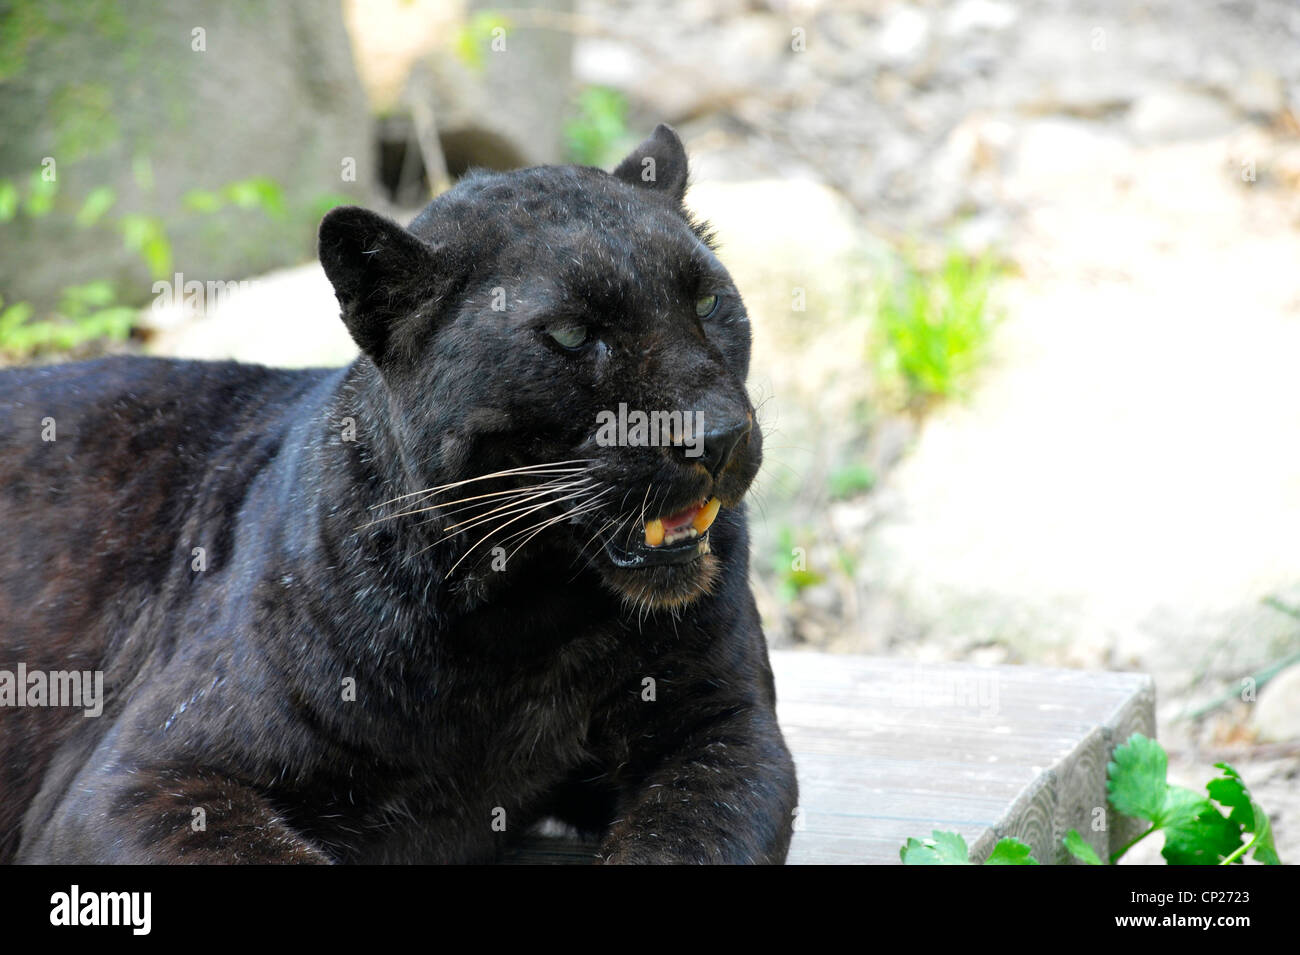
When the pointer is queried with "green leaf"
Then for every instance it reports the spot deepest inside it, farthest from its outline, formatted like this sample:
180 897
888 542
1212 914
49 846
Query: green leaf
596 134
330 200
114 323
13 316
943 848
949 848
804 578
147 236
40 196
258 193
1230 790
157 252
78 299
1206 840
476 36
99 201
1010 852
1182 807
1078 847
851 480
8 200
201 200
1136 778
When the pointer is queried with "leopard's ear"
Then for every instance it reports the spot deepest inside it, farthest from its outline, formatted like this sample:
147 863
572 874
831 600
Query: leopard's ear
658 163
381 273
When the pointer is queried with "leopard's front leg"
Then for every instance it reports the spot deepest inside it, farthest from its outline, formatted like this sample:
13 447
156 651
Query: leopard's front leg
166 815
725 794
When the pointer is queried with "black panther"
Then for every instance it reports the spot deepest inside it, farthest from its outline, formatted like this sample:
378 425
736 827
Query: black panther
406 610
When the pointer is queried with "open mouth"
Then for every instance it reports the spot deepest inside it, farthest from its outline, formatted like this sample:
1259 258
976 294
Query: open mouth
670 539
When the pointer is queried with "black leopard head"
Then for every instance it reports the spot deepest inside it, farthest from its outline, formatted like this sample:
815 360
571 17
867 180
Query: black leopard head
567 358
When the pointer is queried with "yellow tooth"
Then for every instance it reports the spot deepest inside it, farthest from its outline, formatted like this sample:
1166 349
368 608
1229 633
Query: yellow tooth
706 515
654 533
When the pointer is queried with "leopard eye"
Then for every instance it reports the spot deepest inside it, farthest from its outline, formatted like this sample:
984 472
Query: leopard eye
706 305
568 336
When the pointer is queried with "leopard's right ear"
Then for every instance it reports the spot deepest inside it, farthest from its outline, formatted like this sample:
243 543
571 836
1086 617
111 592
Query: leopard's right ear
381 273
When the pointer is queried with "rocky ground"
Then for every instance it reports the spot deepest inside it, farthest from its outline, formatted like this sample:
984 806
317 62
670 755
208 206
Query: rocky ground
1122 488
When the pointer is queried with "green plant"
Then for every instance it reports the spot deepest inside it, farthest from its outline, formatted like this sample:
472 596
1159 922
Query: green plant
789 564
1196 830
934 328
850 480
596 135
326 201
86 313
476 35
146 236
949 848
92 311
39 200
256 193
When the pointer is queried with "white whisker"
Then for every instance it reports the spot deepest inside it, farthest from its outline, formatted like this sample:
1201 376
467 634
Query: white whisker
527 470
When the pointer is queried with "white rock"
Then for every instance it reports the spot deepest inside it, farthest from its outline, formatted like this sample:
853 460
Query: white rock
1276 717
697 74
1174 114
1259 92
904 34
1053 149
980 15
287 318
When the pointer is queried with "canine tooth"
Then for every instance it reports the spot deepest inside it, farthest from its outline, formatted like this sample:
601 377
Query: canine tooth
654 533
707 514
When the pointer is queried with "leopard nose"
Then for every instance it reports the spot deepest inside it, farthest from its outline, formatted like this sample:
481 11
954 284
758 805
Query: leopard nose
718 445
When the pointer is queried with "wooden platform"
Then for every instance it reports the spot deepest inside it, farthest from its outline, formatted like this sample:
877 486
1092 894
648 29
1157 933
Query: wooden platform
887 749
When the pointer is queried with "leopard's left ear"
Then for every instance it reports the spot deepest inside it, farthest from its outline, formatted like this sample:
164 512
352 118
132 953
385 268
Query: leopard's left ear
659 163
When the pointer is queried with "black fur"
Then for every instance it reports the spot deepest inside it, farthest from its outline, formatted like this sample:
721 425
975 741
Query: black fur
482 694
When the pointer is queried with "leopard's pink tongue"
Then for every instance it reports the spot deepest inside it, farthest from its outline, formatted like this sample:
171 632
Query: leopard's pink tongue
681 518
690 522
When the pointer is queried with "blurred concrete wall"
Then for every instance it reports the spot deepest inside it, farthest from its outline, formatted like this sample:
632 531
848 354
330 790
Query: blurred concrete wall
528 82
155 100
